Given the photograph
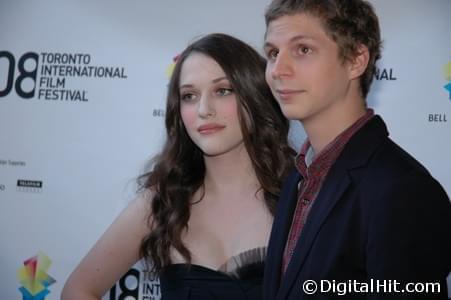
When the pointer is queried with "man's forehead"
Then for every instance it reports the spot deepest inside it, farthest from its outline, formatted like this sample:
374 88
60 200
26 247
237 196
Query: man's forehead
294 27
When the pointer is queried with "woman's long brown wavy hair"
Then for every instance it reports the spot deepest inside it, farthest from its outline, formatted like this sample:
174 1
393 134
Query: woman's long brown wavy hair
179 170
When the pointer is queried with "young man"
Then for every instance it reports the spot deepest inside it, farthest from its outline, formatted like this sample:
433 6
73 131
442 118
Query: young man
358 209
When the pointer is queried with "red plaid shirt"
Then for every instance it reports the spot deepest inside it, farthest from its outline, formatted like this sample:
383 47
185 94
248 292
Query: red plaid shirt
313 178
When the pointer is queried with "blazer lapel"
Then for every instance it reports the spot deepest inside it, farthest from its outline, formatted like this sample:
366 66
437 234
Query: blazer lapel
335 185
279 233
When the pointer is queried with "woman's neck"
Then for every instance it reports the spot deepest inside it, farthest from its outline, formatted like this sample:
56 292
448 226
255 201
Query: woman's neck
231 171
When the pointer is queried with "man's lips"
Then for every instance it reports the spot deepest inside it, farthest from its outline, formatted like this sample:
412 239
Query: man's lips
210 128
286 94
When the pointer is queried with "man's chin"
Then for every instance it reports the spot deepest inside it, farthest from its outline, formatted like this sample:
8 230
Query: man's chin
292 115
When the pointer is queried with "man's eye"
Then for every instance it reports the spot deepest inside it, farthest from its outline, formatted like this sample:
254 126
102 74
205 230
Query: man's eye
272 54
304 50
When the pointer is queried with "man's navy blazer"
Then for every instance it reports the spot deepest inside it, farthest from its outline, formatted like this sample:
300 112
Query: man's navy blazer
379 215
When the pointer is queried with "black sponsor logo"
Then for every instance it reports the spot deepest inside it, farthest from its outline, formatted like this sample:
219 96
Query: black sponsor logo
49 75
32 186
158 113
136 285
437 118
385 74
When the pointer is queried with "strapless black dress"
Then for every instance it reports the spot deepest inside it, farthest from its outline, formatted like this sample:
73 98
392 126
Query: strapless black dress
240 278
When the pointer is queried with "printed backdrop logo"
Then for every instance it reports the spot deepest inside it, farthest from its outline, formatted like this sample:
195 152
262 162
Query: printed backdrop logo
442 117
136 284
385 74
12 163
32 186
171 67
51 72
158 112
447 70
34 278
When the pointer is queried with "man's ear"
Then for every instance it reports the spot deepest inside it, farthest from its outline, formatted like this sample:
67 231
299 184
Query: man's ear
358 64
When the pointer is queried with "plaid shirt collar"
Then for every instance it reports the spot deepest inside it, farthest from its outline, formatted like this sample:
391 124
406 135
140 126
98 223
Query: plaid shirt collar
323 160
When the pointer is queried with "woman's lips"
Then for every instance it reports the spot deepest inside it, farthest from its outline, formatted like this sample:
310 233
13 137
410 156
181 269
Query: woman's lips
210 128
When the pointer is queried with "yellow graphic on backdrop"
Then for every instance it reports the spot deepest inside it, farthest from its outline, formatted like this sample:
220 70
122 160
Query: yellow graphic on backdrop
34 278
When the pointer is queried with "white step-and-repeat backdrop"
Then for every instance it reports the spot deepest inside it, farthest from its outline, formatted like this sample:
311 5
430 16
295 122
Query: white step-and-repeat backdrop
82 91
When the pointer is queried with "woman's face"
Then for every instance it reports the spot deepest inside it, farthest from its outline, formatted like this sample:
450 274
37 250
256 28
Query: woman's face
208 106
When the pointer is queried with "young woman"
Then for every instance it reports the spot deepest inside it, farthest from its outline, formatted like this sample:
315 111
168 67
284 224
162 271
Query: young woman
205 213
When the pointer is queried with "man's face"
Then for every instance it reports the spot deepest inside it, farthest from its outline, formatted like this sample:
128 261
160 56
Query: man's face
304 70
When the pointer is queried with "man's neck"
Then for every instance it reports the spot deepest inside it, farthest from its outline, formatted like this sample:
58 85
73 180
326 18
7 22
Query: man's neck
324 129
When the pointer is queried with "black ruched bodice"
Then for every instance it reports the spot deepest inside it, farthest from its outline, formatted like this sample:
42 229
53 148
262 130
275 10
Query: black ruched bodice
240 278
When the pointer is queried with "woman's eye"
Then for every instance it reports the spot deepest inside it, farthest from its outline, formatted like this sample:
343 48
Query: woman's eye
224 92
188 97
